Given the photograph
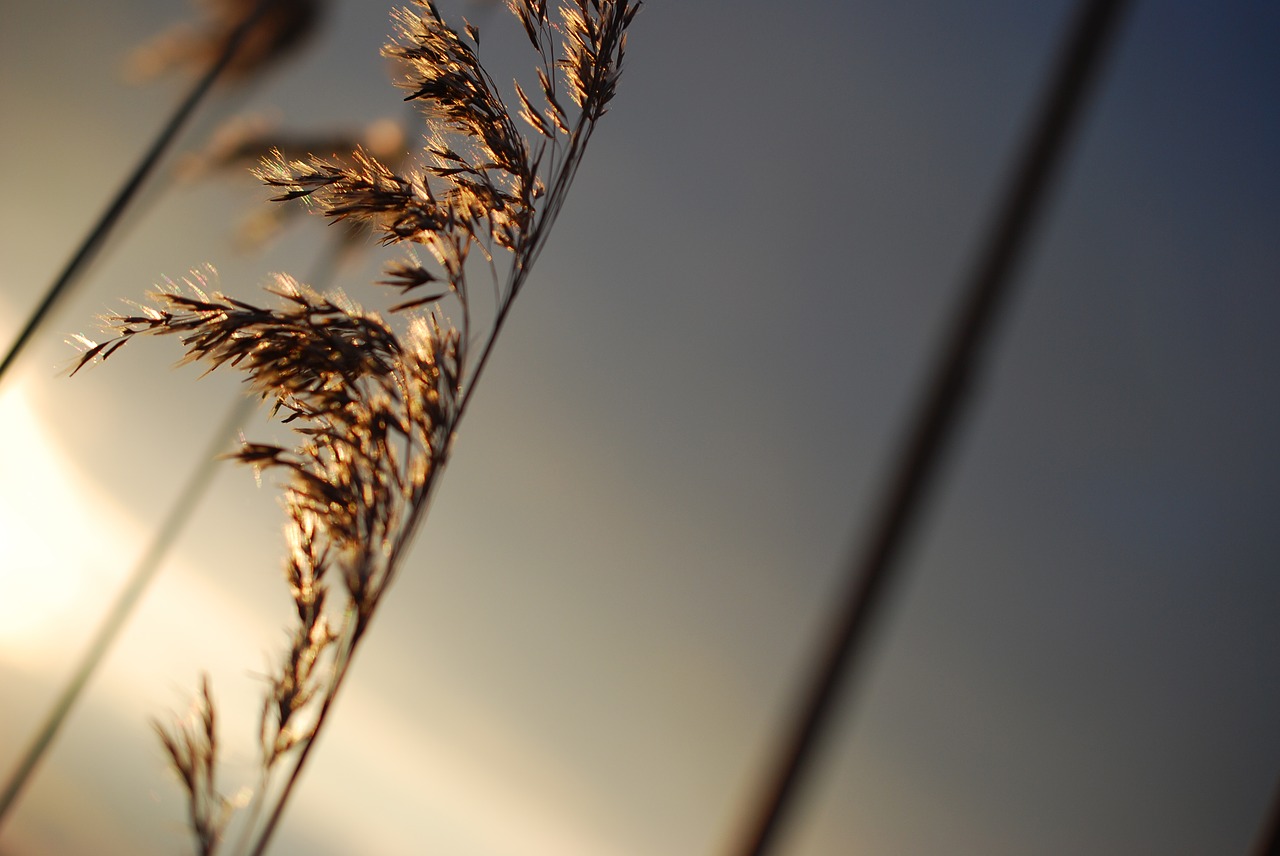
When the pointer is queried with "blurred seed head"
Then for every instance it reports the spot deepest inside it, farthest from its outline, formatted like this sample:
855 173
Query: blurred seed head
193 48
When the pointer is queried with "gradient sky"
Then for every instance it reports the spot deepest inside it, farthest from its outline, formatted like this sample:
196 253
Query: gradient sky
678 444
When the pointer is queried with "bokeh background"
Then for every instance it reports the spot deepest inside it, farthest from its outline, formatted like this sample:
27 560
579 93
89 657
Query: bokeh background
680 440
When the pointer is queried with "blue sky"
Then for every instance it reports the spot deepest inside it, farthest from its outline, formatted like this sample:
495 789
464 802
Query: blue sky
679 442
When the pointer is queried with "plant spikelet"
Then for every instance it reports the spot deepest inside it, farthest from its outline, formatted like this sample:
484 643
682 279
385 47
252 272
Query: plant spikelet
375 406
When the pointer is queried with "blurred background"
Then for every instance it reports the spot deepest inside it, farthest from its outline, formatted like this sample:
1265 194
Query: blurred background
679 441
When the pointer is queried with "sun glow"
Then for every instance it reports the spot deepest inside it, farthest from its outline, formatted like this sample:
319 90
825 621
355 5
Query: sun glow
55 529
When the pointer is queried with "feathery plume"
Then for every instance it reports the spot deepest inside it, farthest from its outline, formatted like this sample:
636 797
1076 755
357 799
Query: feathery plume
375 406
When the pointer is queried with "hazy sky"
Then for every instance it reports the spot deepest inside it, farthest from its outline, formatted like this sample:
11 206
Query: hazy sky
678 444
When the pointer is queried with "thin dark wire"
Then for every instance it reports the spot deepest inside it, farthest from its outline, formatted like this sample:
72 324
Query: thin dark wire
939 411
143 572
94 240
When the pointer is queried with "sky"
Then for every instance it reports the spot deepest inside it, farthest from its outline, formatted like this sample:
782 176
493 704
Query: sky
679 443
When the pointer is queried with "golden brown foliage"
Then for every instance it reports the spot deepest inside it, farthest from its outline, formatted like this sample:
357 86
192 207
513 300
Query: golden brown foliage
375 408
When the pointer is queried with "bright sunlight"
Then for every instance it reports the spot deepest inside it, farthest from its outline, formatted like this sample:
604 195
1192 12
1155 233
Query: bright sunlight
54 529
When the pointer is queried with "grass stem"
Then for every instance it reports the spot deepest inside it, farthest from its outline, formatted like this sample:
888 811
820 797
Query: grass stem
934 423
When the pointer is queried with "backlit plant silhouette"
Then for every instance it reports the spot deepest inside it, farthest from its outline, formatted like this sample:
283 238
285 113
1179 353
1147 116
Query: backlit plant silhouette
376 406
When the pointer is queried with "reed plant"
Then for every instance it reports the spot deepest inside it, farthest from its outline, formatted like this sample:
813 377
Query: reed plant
375 402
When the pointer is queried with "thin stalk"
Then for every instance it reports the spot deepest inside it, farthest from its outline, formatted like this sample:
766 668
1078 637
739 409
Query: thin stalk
582 134
345 656
939 410
124 605
115 210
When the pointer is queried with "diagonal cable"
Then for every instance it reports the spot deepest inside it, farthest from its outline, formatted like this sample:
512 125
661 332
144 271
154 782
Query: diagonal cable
933 424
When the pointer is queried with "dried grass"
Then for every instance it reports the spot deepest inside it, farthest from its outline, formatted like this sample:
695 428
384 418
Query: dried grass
375 405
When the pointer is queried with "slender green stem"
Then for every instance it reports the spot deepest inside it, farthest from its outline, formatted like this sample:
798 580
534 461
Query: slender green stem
115 210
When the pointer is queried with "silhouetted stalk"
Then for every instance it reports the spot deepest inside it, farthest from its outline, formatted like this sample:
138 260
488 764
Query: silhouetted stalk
938 414
115 211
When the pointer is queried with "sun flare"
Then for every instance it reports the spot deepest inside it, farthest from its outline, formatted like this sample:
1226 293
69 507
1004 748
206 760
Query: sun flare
51 538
